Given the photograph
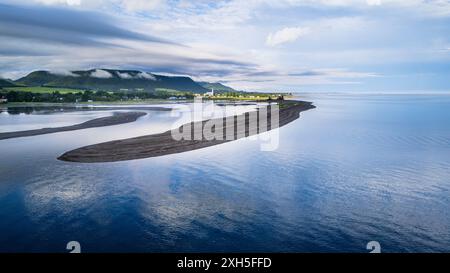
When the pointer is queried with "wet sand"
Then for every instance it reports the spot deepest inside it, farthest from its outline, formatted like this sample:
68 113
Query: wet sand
164 144
115 119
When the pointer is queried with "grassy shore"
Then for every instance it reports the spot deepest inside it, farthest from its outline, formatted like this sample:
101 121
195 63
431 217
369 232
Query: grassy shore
84 104
43 90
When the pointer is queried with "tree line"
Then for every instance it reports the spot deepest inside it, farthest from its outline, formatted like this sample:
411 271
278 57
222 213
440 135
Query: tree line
85 96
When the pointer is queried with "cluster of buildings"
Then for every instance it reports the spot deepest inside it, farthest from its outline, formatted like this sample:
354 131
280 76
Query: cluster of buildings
210 94
207 94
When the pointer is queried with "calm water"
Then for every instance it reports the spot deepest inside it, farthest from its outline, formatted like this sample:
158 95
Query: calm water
356 169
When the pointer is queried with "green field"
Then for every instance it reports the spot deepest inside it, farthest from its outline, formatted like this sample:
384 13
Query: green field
171 91
40 89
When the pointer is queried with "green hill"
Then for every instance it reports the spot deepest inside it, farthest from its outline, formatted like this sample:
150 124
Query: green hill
111 80
216 86
6 83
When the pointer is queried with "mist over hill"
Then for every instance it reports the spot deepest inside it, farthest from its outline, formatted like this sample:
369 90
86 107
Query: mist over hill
111 80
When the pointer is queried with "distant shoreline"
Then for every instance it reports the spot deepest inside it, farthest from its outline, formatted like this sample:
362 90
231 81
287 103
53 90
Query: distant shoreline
90 104
163 143
115 119
66 108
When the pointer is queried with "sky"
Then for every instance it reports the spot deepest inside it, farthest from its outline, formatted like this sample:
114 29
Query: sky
253 45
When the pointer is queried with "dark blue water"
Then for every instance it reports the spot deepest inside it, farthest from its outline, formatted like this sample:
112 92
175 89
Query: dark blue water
356 169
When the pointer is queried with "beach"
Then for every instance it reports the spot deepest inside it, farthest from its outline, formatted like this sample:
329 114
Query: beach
116 119
164 144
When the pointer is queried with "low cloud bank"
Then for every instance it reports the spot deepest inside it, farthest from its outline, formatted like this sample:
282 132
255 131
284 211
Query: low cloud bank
102 74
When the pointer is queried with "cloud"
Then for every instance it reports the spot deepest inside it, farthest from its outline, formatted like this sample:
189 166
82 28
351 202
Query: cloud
127 5
53 2
310 73
223 14
335 73
140 75
124 75
53 24
62 72
228 40
141 5
286 35
101 74
323 73
145 75
373 2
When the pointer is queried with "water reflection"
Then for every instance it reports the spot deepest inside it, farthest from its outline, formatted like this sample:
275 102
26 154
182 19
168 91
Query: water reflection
353 170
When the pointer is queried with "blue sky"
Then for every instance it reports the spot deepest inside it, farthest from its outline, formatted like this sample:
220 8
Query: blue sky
263 45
